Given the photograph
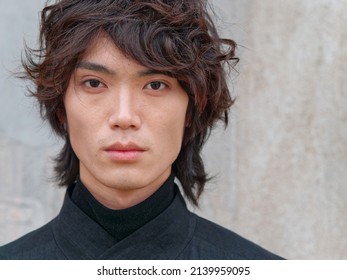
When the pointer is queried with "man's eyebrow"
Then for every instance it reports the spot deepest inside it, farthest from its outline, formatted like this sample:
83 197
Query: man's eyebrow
94 67
149 72
103 69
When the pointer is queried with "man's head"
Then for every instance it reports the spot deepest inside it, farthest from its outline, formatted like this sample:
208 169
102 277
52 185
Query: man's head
174 41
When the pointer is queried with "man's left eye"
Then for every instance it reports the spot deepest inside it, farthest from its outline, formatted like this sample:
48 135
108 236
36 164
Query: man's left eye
156 85
93 83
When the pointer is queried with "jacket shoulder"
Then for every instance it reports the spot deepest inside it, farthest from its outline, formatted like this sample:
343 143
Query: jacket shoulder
212 241
38 244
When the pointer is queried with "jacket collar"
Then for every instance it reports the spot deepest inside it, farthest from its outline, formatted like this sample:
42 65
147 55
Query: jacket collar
79 237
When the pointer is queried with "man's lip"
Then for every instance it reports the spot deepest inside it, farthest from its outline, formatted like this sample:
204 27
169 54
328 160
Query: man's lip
123 147
125 152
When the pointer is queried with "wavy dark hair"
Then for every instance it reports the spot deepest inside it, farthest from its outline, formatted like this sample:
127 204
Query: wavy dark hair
177 37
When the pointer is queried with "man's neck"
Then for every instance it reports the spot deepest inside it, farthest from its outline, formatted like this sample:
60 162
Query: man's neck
122 223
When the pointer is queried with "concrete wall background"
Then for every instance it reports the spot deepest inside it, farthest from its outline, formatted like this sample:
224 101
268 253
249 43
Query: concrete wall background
27 197
282 163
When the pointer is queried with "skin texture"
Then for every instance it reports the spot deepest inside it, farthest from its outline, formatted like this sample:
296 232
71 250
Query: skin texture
125 123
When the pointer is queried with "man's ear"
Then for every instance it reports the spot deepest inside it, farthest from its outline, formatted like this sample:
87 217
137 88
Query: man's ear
188 120
61 115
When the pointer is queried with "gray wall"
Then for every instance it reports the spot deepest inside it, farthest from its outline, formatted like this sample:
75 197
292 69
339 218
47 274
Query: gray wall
27 197
281 165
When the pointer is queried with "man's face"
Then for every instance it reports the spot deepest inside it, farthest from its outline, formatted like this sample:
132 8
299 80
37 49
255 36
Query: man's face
125 122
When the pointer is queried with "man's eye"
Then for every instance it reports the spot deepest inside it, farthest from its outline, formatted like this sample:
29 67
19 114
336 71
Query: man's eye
156 85
93 83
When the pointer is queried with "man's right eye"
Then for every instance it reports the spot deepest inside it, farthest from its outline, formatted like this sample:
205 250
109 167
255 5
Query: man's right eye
93 83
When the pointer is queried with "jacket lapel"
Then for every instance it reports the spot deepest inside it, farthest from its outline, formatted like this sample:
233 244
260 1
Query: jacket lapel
164 237
79 237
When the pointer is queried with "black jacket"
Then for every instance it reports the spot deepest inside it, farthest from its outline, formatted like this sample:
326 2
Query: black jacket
175 234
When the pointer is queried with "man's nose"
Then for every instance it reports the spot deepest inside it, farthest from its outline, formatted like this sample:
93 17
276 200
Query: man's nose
124 110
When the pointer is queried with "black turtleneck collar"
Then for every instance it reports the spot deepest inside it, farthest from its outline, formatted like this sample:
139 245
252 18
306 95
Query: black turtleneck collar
121 223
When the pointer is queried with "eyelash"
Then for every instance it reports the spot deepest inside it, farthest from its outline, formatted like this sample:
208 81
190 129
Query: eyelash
89 82
162 85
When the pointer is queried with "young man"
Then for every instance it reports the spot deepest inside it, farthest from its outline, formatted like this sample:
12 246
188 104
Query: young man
134 88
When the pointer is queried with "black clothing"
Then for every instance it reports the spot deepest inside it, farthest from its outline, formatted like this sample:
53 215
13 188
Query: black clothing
121 223
175 233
